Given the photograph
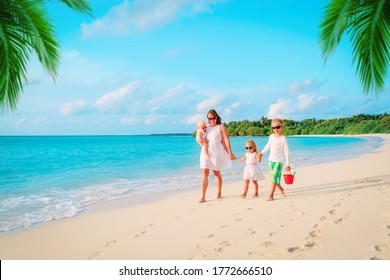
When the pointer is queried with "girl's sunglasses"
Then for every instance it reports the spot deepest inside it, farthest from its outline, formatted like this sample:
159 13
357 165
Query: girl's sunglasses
250 148
276 127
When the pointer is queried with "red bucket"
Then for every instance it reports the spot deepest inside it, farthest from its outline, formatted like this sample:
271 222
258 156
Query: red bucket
288 178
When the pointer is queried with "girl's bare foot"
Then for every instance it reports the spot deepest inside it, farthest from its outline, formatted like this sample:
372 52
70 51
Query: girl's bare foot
270 199
256 195
243 195
202 200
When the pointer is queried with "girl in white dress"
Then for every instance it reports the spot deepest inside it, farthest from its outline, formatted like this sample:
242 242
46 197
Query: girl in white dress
252 170
220 154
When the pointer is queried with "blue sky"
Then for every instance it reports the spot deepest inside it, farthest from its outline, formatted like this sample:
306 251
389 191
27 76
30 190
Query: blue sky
157 66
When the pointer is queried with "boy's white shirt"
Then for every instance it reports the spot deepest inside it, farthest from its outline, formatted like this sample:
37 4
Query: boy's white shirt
279 149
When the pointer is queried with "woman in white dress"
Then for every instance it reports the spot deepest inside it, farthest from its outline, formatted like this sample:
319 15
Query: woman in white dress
220 154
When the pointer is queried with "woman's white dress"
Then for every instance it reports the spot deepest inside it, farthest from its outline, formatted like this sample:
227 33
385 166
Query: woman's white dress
219 158
252 170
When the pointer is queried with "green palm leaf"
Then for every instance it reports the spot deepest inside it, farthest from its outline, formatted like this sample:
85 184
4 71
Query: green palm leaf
368 24
25 28
371 44
333 26
81 6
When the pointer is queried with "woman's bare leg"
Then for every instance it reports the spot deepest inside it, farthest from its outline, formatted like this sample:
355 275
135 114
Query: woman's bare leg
218 180
204 184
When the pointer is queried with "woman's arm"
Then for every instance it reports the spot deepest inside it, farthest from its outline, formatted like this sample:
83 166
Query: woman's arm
241 159
226 141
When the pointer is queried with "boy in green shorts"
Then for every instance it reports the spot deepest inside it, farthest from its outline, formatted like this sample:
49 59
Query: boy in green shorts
277 144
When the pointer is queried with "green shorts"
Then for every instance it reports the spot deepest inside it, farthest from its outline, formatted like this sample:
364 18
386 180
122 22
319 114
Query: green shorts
275 170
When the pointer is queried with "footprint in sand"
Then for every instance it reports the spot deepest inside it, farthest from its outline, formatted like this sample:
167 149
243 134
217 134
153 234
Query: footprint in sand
224 243
211 235
310 245
221 244
380 248
272 233
223 226
332 212
266 244
93 255
293 249
140 234
339 221
251 231
376 258
110 243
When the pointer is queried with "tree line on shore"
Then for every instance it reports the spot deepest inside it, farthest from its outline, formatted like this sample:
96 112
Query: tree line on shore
358 124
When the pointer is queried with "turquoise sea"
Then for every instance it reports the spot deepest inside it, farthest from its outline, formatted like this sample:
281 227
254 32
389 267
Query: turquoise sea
52 177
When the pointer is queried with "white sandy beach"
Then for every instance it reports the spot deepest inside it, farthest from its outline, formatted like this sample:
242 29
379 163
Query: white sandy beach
334 211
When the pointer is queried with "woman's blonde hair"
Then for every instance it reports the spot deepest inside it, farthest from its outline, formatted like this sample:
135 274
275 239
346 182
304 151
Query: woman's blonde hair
251 142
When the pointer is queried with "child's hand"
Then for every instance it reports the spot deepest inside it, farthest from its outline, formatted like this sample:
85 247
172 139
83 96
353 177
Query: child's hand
288 168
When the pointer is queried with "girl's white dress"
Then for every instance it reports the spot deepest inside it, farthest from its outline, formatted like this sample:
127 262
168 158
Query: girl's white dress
219 158
252 170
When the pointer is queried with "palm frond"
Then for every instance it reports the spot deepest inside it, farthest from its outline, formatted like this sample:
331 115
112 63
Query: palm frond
14 55
370 34
81 6
25 28
333 25
41 36
368 24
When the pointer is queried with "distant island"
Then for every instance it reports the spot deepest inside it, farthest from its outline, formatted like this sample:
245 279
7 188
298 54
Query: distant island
358 124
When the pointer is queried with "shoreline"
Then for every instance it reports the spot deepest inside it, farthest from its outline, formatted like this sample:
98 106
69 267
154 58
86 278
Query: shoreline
322 217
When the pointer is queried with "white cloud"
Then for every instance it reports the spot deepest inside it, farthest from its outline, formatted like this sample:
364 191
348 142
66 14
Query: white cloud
73 107
37 121
168 95
305 101
281 109
143 15
172 53
129 121
194 118
228 112
306 86
300 101
19 122
208 103
114 101
150 120
236 104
